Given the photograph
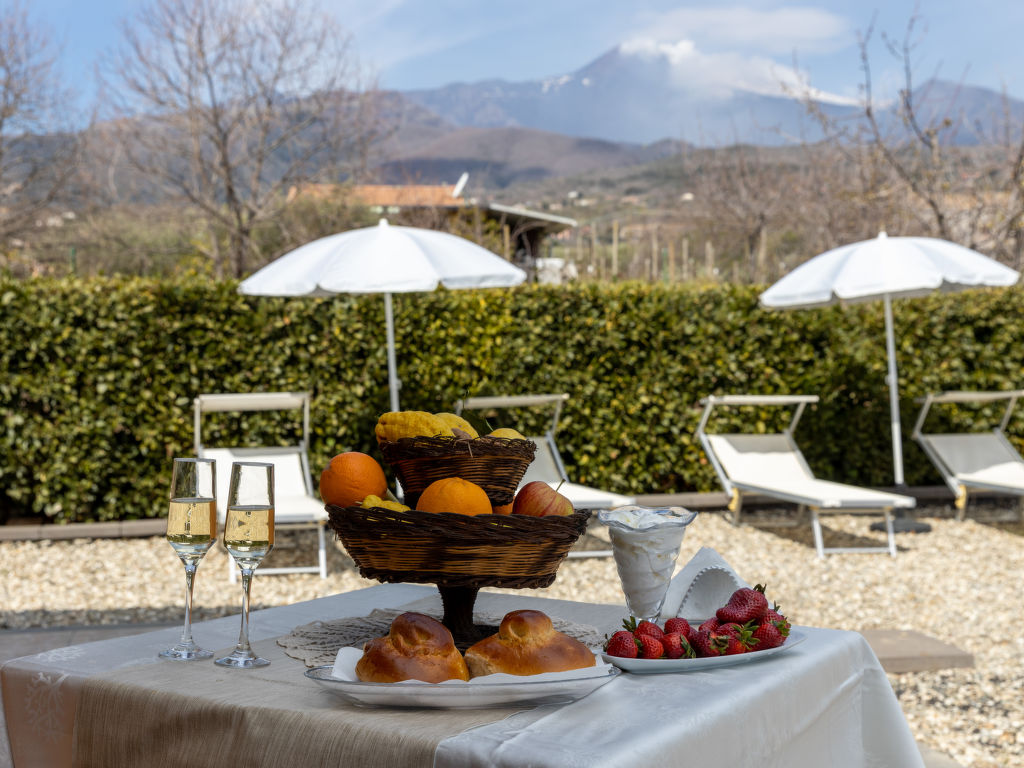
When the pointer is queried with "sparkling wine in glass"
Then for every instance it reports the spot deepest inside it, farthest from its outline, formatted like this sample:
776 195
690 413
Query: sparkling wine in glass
248 538
191 531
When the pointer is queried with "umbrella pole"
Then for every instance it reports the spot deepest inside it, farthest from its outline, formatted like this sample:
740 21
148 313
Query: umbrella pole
901 523
894 394
393 383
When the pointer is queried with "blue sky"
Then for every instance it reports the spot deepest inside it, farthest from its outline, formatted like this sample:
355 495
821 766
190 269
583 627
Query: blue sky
427 43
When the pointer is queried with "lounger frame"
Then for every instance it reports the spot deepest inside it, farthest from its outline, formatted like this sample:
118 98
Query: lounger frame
845 499
958 483
303 492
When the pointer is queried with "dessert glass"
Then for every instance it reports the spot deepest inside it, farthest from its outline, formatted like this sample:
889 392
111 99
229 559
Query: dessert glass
645 544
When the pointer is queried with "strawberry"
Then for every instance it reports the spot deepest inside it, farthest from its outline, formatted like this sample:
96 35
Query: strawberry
650 648
678 625
643 629
730 639
677 646
649 628
744 605
767 635
710 624
622 644
701 641
781 622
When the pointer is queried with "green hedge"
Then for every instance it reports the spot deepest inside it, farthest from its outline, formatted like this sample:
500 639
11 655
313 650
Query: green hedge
99 376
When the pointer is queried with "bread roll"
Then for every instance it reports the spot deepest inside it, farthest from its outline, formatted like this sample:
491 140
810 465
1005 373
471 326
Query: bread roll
417 647
527 644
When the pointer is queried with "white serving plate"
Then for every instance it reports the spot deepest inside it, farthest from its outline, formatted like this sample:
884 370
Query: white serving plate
455 694
663 666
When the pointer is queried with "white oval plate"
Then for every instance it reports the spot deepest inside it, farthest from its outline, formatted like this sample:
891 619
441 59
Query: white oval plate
663 666
460 695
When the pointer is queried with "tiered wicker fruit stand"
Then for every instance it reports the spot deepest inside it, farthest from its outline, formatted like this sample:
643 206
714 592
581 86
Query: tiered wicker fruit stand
459 553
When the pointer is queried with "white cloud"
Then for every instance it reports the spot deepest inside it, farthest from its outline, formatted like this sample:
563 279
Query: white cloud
776 31
390 32
719 74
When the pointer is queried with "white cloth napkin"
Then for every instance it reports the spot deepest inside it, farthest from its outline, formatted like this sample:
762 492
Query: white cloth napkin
703 586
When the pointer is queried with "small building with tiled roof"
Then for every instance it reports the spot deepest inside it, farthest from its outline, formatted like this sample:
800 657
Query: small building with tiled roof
523 230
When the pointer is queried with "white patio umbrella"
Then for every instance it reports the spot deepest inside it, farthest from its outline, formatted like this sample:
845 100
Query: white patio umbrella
383 259
886 268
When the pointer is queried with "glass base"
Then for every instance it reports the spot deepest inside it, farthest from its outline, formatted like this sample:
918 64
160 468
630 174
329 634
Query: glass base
654 618
242 661
644 609
183 652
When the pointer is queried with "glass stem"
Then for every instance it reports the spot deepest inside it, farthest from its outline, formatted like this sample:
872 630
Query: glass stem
243 635
190 575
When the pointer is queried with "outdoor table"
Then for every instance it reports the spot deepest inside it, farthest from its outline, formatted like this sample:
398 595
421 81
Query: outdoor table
824 702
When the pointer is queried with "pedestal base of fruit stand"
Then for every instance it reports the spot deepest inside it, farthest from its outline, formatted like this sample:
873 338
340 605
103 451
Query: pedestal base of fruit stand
458 605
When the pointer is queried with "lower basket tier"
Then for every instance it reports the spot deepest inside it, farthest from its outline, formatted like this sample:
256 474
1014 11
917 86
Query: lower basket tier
510 551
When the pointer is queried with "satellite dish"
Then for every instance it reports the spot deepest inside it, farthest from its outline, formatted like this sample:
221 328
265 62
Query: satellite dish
460 185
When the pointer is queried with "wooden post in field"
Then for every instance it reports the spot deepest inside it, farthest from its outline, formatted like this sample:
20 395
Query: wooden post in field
579 246
655 256
709 260
762 258
671 260
615 250
736 272
506 241
685 267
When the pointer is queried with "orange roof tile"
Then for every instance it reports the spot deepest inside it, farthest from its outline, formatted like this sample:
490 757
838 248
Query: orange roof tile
384 194
412 194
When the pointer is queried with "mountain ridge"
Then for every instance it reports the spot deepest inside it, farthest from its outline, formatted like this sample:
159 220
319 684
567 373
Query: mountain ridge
629 98
644 109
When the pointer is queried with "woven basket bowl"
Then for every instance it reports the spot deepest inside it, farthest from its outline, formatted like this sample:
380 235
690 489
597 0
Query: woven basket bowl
453 550
495 464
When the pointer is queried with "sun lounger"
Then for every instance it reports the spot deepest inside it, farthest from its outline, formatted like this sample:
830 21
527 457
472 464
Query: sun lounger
973 461
771 465
296 505
547 463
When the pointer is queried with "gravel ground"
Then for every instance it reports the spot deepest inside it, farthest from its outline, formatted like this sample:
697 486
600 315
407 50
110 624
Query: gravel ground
953 584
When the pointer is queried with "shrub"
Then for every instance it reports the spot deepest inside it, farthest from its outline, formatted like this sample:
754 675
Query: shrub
100 375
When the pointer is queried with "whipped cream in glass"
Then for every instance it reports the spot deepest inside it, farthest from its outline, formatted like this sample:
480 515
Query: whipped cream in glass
645 544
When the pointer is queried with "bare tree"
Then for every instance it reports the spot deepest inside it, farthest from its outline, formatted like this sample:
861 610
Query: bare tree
227 104
37 152
941 174
914 147
739 193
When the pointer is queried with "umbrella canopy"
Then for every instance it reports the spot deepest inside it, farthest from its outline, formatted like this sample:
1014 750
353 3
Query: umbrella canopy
886 268
383 259
898 267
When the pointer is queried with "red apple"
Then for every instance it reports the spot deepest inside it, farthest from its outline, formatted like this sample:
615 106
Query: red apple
538 499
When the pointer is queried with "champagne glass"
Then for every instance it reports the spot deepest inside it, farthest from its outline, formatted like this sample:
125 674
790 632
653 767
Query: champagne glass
248 537
191 531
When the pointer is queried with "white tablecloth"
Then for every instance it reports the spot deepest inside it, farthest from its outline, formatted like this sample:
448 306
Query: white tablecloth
40 692
826 702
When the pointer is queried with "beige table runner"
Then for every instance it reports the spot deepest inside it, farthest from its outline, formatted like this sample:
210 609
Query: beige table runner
197 714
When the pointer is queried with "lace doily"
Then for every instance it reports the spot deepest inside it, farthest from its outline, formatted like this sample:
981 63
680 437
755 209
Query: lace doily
317 643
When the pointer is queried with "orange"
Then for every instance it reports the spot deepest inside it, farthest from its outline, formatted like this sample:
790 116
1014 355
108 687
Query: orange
504 509
453 494
351 477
